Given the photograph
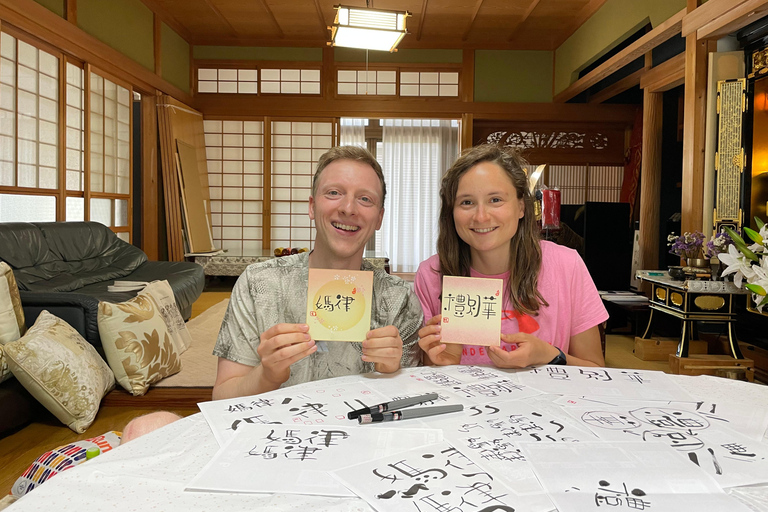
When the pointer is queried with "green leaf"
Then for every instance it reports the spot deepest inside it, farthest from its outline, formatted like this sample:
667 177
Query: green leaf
759 223
754 235
755 289
734 236
764 301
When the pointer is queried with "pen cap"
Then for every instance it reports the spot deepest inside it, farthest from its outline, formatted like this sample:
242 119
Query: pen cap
370 418
92 452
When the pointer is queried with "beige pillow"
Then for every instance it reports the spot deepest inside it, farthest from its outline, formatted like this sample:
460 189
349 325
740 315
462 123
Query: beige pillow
12 325
137 343
61 370
163 294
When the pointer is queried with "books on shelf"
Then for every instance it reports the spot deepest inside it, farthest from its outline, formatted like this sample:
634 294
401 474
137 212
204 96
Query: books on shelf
127 286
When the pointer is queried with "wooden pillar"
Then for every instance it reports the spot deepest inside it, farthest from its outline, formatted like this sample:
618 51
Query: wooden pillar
150 215
650 179
694 124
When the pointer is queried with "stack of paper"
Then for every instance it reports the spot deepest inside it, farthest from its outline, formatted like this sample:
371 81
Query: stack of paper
127 286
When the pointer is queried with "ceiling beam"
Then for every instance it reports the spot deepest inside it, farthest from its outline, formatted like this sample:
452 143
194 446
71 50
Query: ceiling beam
655 37
528 11
711 11
618 87
421 19
733 20
321 18
478 4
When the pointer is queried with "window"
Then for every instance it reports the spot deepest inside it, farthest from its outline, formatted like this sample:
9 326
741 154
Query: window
242 81
580 183
382 82
290 81
429 83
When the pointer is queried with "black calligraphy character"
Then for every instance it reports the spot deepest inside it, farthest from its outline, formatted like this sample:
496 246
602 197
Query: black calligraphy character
737 449
483 491
489 308
601 375
329 437
317 408
301 453
411 472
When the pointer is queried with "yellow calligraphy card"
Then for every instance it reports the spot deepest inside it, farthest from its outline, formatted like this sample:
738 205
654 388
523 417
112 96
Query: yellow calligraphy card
339 304
471 310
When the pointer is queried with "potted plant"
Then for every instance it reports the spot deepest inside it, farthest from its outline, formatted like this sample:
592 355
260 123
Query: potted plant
688 246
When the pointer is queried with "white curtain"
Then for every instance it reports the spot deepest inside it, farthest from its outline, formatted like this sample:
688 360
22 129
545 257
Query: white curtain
415 154
352 132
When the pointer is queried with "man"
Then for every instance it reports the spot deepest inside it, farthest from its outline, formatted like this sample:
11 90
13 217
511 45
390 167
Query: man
264 343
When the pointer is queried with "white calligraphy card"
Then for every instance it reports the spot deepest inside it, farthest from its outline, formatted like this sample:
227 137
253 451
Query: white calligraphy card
730 457
594 477
471 310
434 478
316 403
295 459
339 304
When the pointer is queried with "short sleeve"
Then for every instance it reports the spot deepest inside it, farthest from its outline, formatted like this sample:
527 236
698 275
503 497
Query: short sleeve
586 306
427 286
239 335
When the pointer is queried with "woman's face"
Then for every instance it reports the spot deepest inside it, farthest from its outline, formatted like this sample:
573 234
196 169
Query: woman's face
487 211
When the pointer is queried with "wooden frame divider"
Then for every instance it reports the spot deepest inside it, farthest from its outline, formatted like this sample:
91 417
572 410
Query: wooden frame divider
655 37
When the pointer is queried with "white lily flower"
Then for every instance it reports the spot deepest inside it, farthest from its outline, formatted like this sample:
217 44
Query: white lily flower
738 265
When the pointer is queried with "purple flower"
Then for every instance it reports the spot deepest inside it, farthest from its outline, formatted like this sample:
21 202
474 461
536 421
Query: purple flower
688 245
719 243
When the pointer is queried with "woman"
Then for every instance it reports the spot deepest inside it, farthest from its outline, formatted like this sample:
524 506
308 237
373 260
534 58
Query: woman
551 310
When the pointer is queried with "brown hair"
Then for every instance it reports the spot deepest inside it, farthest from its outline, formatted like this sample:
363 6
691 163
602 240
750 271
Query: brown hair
525 251
349 153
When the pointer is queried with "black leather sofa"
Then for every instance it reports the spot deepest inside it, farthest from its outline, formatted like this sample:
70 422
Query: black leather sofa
65 268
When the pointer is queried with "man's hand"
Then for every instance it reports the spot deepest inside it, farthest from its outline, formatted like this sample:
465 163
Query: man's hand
282 345
384 348
530 351
435 351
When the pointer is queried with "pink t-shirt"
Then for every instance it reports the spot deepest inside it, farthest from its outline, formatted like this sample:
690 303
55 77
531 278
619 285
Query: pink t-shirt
564 282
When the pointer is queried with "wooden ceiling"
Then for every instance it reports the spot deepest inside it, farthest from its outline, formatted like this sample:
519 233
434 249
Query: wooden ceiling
491 24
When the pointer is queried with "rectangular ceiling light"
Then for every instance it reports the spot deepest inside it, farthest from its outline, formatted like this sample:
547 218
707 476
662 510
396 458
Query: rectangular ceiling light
368 29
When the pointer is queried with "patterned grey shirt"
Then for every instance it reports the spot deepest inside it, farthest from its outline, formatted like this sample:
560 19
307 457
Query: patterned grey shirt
275 291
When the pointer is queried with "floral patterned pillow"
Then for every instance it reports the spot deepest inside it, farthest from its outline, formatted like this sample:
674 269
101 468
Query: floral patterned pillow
137 343
61 370
12 325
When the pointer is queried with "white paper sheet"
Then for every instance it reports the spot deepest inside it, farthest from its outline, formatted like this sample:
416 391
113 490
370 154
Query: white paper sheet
746 419
730 457
434 478
321 403
491 435
294 459
596 382
586 477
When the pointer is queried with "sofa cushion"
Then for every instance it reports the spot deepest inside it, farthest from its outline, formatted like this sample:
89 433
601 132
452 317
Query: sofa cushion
137 343
61 370
12 325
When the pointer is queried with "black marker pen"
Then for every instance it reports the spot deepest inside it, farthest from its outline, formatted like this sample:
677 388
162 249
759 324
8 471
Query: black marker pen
394 405
410 413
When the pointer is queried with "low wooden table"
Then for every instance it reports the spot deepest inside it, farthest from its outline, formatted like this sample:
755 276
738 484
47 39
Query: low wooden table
233 263
691 301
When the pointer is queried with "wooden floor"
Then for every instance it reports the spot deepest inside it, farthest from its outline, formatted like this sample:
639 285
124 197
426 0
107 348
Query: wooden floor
20 449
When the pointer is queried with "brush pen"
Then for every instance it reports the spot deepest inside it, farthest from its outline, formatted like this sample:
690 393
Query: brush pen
421 412
393 405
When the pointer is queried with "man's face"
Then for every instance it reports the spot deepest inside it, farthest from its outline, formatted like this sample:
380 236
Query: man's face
347 210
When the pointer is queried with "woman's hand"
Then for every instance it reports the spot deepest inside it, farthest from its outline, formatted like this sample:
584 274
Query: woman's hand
530 351
435 351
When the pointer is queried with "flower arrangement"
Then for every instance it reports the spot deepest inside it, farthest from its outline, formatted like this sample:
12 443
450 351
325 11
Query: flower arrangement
749 263
719 243
688 245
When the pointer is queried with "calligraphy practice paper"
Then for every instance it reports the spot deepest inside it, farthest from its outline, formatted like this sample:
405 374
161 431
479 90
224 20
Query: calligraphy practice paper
471 310
748 420
596 382
316 403
293 459
339 304
491 435
434 478
585 477
730 457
